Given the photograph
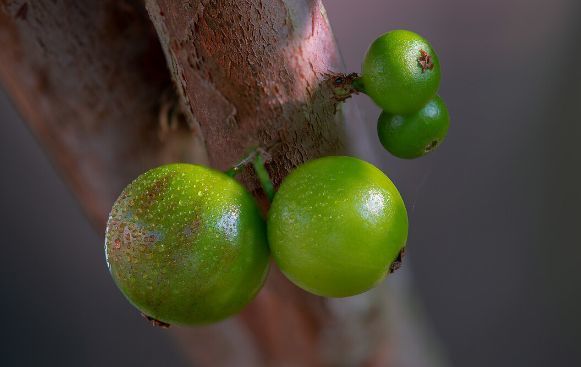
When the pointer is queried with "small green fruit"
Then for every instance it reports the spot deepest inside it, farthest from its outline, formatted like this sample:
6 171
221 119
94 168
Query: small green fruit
401 72
336 225
416 134
186 244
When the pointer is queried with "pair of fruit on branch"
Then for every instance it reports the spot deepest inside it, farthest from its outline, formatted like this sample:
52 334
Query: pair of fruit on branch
401 74
187 244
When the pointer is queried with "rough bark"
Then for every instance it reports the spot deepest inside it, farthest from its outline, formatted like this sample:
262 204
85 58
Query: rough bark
251 73
89 77
93 82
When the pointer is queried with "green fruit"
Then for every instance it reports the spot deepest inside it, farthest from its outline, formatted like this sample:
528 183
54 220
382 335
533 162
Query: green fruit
186 244
401 72
416 134
336 225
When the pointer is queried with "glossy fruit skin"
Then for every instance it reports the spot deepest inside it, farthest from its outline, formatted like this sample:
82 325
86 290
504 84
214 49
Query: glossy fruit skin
335 226
186 244
392 75
417 134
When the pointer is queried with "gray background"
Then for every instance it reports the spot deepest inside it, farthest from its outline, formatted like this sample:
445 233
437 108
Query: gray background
495 245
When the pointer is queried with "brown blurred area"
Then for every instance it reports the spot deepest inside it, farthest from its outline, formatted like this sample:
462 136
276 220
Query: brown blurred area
494 244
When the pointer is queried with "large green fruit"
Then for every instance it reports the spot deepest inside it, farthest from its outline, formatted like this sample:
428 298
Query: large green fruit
186 244
401 72
336 225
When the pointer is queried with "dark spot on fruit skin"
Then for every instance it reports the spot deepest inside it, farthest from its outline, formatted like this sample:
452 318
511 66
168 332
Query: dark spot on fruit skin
193 228
396 264
153 193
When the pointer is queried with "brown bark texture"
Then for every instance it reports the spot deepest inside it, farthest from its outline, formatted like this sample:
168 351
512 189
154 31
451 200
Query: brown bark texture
112 88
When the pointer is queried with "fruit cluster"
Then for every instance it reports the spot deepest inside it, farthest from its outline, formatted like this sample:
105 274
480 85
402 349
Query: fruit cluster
187 244
401 74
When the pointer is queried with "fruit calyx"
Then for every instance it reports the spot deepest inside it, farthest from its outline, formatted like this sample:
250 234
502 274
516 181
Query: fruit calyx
396 264
425 61
155 322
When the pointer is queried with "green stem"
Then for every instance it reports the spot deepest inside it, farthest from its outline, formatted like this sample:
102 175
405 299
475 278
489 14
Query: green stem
256 157
263 176
357 84
235 170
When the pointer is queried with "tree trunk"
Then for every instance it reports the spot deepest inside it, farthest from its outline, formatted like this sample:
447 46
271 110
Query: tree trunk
92 80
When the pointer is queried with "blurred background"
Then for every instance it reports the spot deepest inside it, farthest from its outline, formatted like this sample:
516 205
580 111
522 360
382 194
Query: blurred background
495 245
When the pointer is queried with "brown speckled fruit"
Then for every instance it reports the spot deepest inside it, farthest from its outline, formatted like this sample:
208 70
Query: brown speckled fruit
186 244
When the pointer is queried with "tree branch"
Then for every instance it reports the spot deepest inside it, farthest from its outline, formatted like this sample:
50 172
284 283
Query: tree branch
92 80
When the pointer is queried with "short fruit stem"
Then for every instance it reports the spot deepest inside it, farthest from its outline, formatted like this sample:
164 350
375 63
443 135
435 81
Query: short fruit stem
263 177
236 169
345 85
257 157
357 84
